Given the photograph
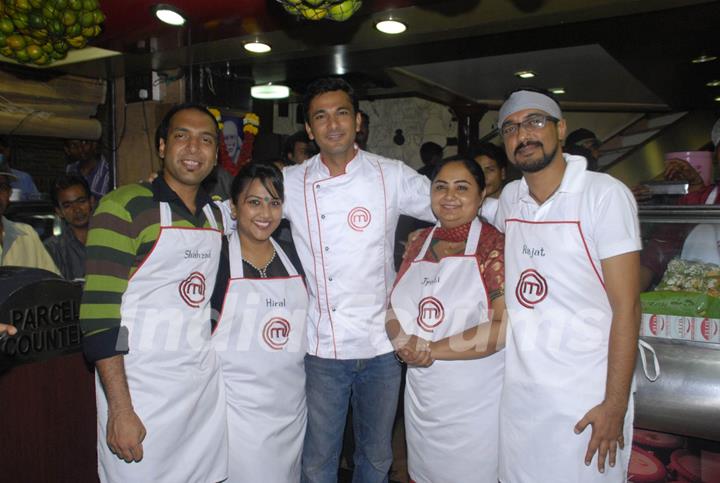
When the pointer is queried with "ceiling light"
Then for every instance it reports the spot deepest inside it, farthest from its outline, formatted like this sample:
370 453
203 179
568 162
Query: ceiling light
257 47
713 83
169 14
525 74
391 26
270 91
717 99
557 90
703 58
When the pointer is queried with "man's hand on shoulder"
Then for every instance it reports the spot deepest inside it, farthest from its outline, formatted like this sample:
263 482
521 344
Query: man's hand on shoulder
125 434
607 432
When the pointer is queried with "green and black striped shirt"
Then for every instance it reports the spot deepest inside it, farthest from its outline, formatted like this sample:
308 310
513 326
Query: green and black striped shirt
123 230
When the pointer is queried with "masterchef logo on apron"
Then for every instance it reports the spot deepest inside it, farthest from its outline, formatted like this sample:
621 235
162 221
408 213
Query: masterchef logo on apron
276 333
531 288
430 313
192 289
359 218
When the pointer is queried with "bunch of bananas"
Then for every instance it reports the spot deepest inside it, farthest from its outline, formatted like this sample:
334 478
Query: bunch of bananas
42 31
338 10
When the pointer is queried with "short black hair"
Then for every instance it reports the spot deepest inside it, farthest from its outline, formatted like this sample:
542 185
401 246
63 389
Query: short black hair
64 182
268 174
296 137
324 85
581 134
162 130
490 150
475 169
430 150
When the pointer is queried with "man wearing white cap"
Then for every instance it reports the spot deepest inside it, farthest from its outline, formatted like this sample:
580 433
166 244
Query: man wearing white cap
571 245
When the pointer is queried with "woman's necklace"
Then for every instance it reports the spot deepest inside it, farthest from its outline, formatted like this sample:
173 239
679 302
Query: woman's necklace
262 271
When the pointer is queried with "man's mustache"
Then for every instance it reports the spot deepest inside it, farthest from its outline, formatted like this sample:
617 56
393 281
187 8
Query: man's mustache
528 143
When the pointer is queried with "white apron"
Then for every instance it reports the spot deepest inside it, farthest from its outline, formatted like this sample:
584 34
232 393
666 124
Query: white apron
261 342
172 370
451 407
556 356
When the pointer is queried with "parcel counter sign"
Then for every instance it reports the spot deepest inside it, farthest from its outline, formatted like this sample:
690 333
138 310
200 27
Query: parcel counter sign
46 316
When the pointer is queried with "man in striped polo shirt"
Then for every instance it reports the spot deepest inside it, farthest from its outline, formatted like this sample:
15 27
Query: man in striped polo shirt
152 258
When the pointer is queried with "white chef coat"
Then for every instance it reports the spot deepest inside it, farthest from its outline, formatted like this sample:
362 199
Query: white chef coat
172 371
489 209
344 230
560 317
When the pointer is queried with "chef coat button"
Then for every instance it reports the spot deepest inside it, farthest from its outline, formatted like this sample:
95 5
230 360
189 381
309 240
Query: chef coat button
317 186
327 249
329 279
333 309
322 216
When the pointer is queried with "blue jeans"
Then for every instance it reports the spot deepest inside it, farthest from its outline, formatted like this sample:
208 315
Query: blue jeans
372 386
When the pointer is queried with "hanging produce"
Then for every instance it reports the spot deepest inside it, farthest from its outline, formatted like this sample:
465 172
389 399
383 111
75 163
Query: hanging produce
338 10
43 31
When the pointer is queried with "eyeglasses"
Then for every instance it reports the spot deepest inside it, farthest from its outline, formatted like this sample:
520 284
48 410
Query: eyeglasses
531 123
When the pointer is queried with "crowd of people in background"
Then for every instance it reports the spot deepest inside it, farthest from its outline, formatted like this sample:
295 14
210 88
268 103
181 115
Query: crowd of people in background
281 309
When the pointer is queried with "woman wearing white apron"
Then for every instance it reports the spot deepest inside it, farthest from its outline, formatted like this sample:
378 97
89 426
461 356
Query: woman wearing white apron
448 290
260 338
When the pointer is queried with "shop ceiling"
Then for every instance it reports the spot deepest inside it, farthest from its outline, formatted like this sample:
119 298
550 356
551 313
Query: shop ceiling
607 54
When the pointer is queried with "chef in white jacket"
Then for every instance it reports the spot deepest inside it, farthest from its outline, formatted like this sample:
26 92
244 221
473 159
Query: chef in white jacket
343 206
572 274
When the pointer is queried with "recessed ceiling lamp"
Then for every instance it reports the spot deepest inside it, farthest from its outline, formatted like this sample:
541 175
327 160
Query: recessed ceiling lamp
270 91
717 99
257 47
525 74
169 14
391 26
557 90
713 83
703 58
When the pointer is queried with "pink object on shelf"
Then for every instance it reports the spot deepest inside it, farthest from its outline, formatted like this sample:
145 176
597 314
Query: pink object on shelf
700 160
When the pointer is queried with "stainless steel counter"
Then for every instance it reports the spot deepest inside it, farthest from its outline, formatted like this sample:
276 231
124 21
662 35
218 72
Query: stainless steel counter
685 399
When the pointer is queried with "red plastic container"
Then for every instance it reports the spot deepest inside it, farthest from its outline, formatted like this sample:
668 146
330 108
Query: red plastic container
686 466
661 445
645 468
